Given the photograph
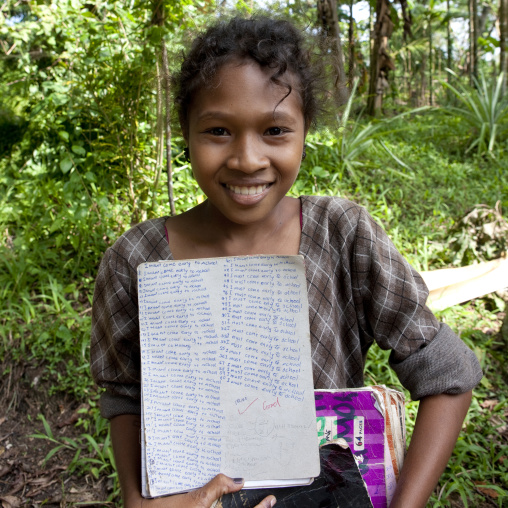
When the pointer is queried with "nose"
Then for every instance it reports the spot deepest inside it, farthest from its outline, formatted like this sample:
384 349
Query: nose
248 154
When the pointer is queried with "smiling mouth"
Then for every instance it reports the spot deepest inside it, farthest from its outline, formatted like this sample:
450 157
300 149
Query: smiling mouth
251 190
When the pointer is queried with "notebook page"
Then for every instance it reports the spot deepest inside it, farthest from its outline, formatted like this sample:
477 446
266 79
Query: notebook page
226 371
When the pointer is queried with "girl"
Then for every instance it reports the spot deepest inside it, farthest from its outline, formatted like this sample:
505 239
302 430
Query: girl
246 99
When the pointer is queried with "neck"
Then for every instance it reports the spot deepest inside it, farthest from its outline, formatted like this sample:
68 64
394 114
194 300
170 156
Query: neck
275 234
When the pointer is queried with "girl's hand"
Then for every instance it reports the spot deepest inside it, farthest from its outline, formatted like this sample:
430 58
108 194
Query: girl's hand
125 436
205 496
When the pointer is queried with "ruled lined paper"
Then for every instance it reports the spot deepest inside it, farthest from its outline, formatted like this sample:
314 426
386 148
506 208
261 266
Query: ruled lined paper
226 371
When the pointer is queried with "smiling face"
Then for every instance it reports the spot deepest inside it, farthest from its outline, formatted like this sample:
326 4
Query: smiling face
245 144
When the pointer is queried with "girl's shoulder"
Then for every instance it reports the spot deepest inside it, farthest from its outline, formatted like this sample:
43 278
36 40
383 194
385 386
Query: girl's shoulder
143 242
331 208
340 222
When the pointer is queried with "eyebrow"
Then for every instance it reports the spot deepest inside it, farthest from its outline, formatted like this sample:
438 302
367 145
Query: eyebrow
277 116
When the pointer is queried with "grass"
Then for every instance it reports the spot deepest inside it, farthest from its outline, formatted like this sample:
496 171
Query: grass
418 196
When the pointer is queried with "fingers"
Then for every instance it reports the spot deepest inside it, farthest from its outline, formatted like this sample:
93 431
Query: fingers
267 502
221 484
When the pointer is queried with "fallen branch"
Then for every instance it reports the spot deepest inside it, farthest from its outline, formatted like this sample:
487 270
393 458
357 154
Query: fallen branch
451 286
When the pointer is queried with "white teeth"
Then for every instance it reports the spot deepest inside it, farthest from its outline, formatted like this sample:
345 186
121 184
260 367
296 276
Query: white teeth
248 191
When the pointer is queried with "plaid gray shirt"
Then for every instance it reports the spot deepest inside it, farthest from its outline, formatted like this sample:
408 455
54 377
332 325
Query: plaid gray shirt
360 289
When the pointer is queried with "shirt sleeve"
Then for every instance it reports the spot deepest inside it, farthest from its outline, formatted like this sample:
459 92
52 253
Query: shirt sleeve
114 351
426 355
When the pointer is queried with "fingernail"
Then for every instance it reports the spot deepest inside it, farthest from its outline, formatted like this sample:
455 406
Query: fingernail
273 501
238 480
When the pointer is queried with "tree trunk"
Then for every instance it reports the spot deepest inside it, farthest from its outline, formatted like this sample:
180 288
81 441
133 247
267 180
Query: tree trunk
159 137
328 20
409 77
471 37
371 30
482 20
431 62
503 39
158 16
157 13
381 63
473 41
449 50
422 101
167 127
352 55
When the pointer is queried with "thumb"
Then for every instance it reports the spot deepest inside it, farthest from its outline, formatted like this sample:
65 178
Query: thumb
267 502
215 488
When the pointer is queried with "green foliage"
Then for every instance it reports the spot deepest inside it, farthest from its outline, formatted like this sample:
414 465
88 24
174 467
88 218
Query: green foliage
92 452
484 108
61 338
78 166
419 213
354 139
346 152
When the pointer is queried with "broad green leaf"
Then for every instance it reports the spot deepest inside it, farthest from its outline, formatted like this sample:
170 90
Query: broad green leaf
66 164
79 150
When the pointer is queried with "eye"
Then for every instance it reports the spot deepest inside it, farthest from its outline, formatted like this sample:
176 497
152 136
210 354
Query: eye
218 131
275 131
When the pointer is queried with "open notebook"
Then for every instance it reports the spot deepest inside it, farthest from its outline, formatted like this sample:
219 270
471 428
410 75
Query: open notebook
226 373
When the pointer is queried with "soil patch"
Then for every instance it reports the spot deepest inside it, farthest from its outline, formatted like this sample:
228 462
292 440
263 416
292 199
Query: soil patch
25 479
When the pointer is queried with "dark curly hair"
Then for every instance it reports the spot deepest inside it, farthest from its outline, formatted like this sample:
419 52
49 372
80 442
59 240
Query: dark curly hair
272 43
